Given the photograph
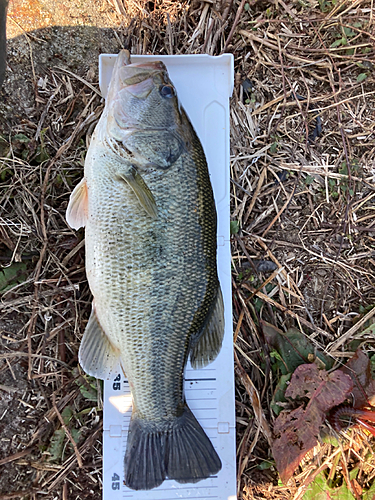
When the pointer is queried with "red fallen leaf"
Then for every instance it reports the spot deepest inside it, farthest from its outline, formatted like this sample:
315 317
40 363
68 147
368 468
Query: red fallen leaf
359 369
297 431
324 389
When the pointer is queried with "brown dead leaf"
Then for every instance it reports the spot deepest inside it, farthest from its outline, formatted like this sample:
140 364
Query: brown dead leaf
359 369
324 389
297 431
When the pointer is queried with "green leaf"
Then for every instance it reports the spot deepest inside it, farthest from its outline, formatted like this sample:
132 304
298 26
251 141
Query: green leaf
234 226
55 448
319 490
12 275
266 464
88 388
5 174
309 180
76 435
4 147
67 414
279 394
355 165
258 304
365 309
90 394
337 43
361 77
369 494
353 473
341 493
41 154
86 411
343 170
276 355
329 438
21 138
274 147
294 347
348 32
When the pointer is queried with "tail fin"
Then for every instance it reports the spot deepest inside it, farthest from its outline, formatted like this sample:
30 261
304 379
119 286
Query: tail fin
190 454
178 450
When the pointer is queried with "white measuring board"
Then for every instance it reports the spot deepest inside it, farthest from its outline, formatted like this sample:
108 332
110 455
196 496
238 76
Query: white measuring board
204 85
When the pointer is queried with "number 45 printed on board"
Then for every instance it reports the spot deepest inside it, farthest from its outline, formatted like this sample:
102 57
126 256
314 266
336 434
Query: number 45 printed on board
115 481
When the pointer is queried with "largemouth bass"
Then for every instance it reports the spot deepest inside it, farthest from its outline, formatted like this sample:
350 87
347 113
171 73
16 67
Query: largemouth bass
149 214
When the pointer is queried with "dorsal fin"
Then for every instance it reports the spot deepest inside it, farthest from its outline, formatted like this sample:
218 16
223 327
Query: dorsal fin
205 349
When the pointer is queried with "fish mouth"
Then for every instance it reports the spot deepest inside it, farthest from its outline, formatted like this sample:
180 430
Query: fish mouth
138 78
124 59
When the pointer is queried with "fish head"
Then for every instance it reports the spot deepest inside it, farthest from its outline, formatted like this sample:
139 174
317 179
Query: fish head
141 97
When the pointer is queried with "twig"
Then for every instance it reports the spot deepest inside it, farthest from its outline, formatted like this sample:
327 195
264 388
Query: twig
344 338
256 193
16 456
88 84
277 216
289 312
255 400
234 26
224 23
19 494
67 432
20 354
69 463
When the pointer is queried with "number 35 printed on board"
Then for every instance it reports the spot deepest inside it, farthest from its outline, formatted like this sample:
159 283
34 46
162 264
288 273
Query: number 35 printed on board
117 383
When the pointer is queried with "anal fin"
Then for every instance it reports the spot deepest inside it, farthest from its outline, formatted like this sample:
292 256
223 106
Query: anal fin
208 344
77 211
97 356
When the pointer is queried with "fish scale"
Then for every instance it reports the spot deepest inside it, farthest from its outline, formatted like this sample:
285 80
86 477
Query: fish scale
150 221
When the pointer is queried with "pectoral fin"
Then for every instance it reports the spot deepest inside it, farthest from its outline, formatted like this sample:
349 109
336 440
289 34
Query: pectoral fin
97 356
208 344
141 191
77 211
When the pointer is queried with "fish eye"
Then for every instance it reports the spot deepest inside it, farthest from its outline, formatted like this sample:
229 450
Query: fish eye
167 91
